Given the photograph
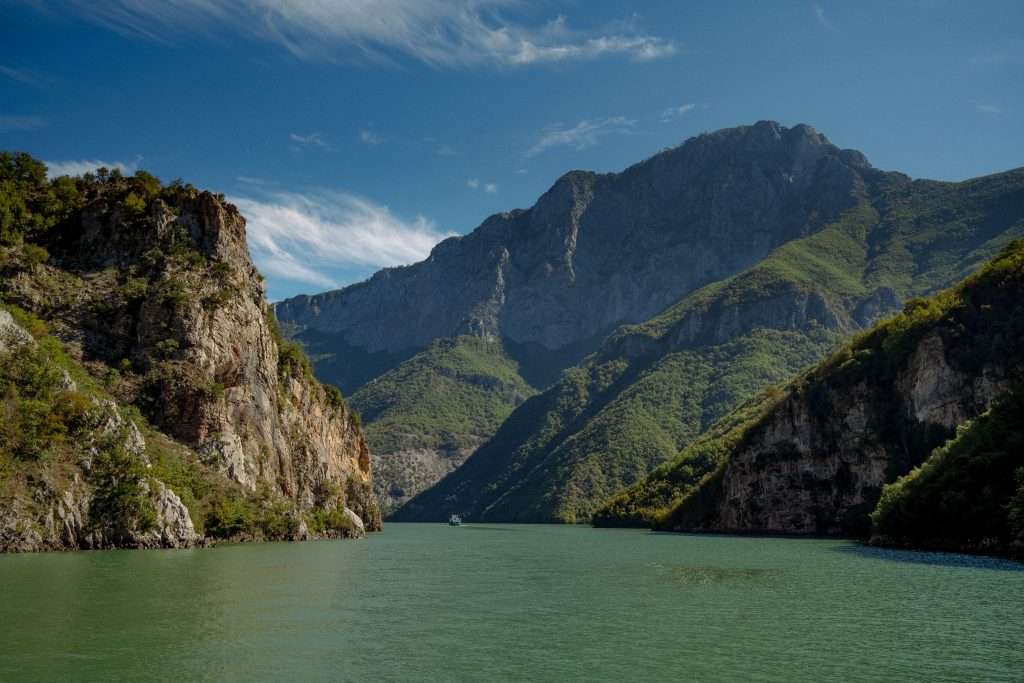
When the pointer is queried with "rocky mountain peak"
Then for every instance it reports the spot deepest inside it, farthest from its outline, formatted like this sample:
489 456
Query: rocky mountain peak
599 250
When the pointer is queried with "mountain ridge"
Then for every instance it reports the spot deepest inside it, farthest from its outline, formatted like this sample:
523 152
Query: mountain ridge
545 285
816 290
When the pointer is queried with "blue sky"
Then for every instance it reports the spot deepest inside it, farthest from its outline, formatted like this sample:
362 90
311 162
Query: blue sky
355 134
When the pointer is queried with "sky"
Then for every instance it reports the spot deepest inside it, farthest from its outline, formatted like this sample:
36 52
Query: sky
356 134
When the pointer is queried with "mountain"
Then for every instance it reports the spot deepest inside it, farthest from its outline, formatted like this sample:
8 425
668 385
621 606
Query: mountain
651 389
911 433
545 285
148 398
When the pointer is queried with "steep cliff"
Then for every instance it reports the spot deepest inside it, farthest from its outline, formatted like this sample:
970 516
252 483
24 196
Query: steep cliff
151 288
813 458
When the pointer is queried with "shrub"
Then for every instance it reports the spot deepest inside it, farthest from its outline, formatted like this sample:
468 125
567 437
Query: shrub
121 502
35 255
134 204
322 521
36 412
147 184
229 516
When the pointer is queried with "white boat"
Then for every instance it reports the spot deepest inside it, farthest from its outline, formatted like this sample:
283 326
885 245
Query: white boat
455 520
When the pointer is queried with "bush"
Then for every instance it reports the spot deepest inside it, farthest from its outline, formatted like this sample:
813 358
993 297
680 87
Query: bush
134 204
36 413
229 516
322 521
121 502
35 255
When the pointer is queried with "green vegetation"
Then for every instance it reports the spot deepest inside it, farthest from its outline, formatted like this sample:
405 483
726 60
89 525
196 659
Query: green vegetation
39 415
679 372
29 203
964 496
968 494
94 256
121 500
457 389
44 424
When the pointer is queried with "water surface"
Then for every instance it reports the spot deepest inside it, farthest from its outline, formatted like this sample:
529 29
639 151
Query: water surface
496 603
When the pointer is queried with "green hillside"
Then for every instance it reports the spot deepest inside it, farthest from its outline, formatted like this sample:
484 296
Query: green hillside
967 495
654 387
423 418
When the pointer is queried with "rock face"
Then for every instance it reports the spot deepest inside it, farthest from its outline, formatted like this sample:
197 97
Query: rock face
214 372
56 515
816 462
596 250
165 306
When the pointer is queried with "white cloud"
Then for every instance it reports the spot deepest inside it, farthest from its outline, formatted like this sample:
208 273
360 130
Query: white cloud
368 137
445 151
675 112
55 169
823 20
988 108
21 122
251 180
475 184
302 237
311 140
584 134
438 32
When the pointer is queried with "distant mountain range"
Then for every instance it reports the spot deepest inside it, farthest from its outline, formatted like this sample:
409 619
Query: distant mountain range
556 355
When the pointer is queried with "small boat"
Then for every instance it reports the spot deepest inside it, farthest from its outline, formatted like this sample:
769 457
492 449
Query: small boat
455 520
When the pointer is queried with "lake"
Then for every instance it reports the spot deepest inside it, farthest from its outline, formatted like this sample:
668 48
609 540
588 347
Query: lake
509 602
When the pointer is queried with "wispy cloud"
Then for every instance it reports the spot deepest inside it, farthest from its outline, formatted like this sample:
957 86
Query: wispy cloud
676 112
368 137
21 122
445 151
250 180
475 184
987 108
303 237
55 169
26 76
584 134
438 32
823 20
310 140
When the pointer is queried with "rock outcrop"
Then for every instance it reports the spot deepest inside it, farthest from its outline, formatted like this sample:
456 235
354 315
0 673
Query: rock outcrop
152 290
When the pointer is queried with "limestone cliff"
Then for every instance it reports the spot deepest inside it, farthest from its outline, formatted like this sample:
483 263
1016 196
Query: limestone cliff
815 461
153 291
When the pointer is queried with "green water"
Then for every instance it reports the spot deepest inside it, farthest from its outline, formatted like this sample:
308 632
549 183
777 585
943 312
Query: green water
497 603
